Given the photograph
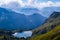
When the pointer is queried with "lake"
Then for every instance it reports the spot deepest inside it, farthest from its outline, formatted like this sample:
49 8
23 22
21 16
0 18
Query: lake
24 34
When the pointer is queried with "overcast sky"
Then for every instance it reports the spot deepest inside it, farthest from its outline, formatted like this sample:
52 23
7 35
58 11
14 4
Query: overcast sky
34 3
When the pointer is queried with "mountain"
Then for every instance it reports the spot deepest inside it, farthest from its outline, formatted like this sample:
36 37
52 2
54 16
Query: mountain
47 11
50 30
37 19
19 9
11 20
22 10
29 11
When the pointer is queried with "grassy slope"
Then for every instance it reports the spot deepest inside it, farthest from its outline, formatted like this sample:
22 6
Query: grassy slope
48 25
51 35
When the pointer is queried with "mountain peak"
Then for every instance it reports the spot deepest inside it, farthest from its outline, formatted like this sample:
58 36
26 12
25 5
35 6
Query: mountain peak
55 14
14 20
2 9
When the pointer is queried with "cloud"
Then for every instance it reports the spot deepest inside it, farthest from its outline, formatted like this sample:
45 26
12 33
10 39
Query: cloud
46 4
5 1
32 3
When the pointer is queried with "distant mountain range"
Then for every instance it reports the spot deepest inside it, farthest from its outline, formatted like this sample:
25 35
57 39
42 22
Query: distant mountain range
50 30
43 23
46 11
11 20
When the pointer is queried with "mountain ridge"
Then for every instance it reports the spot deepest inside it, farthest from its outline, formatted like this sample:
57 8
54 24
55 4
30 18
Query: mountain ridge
49 29
15 20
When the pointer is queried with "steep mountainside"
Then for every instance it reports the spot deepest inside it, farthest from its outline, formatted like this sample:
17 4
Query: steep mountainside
14 20
50 30
35 19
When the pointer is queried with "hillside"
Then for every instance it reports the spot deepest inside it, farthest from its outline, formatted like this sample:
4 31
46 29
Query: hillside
50 30
54 34
18 21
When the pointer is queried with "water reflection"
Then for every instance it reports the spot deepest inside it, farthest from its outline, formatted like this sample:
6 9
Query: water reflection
24 34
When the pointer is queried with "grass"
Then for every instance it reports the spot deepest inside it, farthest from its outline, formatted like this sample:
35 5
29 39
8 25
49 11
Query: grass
51 35
1 37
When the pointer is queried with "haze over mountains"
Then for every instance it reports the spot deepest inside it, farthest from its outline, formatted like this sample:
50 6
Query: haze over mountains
46 11
29 17
14 20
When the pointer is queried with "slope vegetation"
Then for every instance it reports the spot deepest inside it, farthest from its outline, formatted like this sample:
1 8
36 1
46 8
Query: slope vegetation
50 30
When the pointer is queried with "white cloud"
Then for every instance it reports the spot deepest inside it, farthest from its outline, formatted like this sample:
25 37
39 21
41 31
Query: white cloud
47 4
6 1
32 3
56 4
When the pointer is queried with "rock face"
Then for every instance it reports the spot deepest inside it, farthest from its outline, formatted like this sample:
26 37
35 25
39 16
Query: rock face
11 20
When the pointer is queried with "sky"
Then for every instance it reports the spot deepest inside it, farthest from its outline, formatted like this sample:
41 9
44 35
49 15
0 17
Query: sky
34 3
